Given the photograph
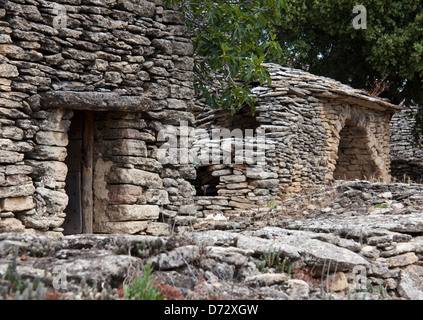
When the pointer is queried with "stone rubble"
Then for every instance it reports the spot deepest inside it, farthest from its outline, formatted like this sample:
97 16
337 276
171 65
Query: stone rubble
358 252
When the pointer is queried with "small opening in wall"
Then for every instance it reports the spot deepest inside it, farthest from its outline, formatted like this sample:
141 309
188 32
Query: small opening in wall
354 155
205 184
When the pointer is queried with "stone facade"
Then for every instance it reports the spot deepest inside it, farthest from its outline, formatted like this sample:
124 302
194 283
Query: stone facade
84 88
406 155
316 130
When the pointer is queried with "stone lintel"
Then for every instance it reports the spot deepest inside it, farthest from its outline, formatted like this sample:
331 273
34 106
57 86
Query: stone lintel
95 101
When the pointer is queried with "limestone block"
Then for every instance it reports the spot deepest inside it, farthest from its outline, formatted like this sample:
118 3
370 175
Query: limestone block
126 227
233 179
172 116
337 282
155 196
220 202
127 147
175 259
5 84
132 212
16 204
9 132
126 194
231 256
222 172
14 180
123 133
190 209
113 77
177 104
268 183
180 92
298 289
147 164
17 191
409 286
48 153
158 229
8 70
261 192
41 222
7 214
173 17
134 176
51 138
185 189
12 114
11 225
203 202
142 8
240 205
54 201
266 279
401 260
55 170
241 185
10 156
188 172
16 146
260 174
234 192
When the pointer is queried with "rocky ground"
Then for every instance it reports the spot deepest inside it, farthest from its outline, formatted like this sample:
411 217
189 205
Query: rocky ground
352 240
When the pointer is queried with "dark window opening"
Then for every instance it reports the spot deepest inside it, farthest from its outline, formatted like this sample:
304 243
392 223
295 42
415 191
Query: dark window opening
205 184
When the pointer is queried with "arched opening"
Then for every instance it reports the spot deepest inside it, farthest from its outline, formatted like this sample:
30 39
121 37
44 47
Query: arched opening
354 154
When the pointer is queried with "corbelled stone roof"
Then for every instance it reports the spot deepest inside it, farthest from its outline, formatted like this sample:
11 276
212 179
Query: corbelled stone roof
302 83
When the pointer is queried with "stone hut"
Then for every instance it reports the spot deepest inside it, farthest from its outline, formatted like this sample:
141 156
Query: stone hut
88 90
85 86
316 130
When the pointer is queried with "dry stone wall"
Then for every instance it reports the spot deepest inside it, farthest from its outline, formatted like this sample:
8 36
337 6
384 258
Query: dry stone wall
406 155
127 61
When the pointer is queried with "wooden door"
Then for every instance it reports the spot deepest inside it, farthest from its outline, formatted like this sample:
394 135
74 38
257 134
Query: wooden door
79 212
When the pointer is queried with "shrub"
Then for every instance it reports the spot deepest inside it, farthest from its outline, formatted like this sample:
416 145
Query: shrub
272 259
143 288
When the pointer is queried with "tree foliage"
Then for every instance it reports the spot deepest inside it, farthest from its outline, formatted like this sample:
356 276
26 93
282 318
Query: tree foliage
233 37
231 40
386 58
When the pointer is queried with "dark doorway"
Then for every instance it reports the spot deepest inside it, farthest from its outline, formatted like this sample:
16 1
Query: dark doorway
205 184
79 212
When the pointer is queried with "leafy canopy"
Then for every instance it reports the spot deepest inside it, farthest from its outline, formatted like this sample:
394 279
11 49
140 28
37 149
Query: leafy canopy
231 40
385 58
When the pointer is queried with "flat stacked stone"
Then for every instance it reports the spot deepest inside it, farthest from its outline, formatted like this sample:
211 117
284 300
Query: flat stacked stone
129 60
